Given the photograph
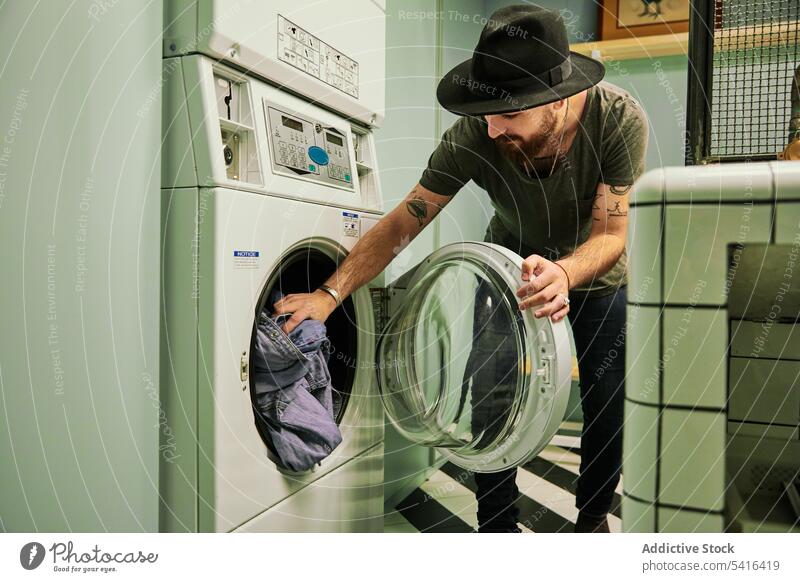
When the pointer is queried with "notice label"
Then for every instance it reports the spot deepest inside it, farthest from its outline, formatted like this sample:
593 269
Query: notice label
246 259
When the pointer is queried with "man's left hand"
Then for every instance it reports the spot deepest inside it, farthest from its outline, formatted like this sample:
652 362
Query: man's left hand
548 288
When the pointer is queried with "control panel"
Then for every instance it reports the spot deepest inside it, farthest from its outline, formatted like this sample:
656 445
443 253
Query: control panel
305 148
338 159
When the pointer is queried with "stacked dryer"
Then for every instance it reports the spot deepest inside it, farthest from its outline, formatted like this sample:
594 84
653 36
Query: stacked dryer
268 180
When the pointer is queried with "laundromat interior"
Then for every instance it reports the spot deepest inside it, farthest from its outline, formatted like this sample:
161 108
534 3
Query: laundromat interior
167 166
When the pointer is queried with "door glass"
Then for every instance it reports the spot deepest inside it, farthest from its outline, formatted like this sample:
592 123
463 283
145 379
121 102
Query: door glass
452 369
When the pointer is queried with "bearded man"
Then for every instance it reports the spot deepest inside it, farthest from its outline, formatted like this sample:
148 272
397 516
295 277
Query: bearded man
557 151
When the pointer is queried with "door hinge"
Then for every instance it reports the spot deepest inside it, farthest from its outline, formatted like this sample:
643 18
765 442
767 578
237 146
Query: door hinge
380 306
385 303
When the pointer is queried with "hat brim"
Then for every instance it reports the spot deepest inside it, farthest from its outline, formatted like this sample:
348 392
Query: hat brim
454 94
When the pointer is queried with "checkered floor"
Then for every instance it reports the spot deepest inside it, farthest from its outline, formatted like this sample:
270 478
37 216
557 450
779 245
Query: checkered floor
446 501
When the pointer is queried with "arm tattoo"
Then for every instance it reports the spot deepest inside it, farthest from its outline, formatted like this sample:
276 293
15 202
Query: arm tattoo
595 206
619 190
417 208
616 211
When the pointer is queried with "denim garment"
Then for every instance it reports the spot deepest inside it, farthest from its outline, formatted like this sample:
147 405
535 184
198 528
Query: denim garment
293 389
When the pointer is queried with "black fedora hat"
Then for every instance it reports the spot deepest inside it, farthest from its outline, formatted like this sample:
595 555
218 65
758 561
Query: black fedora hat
522 60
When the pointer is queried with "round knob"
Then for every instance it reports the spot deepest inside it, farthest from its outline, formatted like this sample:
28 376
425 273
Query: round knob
318 155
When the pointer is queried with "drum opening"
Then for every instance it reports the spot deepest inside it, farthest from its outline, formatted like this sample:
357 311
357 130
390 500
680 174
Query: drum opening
303 271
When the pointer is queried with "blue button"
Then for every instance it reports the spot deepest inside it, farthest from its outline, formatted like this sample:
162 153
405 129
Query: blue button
318 155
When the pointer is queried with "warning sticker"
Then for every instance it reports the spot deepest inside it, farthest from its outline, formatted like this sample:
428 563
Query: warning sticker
351 224
246 259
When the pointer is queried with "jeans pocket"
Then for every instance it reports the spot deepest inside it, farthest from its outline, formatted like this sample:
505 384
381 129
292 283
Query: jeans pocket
272 405
318 374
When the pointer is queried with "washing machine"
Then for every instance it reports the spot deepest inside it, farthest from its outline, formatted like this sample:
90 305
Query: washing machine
269 179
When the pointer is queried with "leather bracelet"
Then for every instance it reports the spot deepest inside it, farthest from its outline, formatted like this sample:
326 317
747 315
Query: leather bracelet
333 293
565 273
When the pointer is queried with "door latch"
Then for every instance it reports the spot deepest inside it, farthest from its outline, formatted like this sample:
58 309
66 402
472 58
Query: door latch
243 367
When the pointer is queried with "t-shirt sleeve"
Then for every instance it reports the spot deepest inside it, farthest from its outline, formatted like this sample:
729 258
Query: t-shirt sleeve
624 144
448 168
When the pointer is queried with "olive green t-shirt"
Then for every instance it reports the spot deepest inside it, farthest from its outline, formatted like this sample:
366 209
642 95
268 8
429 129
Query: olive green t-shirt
549 216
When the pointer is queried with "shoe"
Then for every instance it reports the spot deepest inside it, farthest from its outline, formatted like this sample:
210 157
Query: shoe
591 524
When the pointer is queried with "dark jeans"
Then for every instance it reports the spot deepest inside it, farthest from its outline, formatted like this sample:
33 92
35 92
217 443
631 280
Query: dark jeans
598 327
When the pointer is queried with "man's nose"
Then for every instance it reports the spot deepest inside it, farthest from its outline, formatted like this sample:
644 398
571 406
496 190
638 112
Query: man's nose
494 127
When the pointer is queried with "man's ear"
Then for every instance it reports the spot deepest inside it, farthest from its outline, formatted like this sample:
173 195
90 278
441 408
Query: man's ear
556 105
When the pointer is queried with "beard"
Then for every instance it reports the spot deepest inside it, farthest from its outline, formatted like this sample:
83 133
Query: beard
524 152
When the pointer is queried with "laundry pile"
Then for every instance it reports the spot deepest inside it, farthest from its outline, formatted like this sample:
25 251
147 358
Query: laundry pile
293 392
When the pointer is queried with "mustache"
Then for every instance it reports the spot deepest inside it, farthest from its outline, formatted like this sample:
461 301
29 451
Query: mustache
510 143
507 137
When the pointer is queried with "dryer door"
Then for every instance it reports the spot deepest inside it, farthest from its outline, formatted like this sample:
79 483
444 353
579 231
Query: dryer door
462 369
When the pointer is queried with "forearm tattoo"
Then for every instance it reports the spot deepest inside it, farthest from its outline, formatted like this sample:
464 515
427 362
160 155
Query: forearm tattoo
418 208
612 211
619 190
616 210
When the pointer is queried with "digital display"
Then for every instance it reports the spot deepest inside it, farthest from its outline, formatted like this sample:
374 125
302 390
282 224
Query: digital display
335 139
291 123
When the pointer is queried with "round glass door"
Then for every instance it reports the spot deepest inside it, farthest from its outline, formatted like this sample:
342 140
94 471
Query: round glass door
462 369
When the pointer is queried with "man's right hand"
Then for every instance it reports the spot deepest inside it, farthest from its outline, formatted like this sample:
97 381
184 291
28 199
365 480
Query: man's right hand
317 305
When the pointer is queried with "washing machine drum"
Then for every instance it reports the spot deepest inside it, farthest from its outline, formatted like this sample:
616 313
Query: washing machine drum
462 369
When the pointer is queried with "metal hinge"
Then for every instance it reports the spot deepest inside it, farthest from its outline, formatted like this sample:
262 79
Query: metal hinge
380 306
385 303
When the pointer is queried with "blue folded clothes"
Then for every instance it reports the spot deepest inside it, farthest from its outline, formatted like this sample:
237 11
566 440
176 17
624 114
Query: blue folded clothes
293 389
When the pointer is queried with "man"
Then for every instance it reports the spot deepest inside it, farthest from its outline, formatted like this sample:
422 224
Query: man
557 151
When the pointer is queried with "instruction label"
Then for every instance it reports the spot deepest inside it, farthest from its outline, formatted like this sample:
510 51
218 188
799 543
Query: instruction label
351 224
303 50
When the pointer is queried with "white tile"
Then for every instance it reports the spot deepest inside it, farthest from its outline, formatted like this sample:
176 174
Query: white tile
640 450
569 461
764 391
562 457
566 441
553 497
685 521
692 463
754 339
786 176
718 182
695 356
453 496
787 222
644 254
696 248
637 517
641 353
648 188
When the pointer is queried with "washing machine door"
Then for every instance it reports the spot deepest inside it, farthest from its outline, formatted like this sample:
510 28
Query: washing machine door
462 369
